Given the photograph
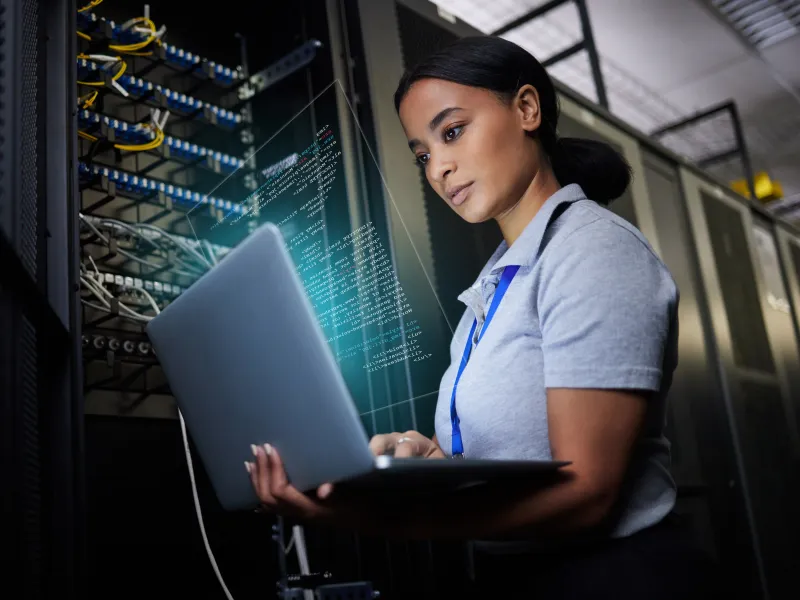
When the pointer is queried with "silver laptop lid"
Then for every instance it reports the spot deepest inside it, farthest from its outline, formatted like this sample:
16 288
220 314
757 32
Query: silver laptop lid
248 363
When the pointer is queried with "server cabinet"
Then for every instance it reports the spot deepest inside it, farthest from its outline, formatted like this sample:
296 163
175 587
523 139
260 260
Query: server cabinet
753 374
788 243
703 460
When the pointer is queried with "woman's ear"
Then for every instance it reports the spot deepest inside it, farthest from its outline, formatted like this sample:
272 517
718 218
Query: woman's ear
526 104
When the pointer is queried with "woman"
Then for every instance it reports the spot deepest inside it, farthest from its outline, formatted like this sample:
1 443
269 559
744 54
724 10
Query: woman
577 361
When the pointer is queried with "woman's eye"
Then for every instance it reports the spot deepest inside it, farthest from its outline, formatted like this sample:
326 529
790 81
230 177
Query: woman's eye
453 132
422 159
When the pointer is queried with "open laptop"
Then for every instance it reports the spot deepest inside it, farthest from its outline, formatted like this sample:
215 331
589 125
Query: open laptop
248 363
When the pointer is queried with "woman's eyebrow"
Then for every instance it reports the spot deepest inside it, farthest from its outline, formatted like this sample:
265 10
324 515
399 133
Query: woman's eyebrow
436 121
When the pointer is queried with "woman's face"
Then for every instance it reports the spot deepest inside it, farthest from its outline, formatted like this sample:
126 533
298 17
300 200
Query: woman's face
474 148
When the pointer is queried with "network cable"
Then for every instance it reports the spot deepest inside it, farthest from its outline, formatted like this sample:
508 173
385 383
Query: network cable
127 85
134 133
165 242
133 257
170 54
90 6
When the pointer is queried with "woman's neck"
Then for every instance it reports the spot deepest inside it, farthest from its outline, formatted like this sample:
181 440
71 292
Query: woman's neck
513 221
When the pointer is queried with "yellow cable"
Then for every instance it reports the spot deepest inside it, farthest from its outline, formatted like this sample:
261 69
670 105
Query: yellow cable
90 98
122 70
138 45
155 143
151 145
87 136
83 35
116 76
91 5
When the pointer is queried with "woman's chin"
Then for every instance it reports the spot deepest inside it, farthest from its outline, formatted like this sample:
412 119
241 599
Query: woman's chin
472 213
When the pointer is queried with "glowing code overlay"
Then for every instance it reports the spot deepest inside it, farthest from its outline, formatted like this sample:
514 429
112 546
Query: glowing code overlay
373 326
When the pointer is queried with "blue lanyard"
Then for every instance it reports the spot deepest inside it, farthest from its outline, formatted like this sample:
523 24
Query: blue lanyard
502 286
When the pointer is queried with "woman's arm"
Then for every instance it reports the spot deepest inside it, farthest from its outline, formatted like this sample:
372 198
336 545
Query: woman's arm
594 429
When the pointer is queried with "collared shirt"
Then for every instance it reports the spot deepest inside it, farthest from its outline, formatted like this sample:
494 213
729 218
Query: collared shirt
592 306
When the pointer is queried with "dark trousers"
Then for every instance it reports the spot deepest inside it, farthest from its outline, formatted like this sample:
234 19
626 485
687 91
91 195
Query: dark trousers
661 562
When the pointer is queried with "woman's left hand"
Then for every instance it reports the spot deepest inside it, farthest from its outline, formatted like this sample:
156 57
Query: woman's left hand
278 496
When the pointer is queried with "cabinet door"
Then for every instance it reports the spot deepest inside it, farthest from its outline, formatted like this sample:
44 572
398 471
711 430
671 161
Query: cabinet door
746 336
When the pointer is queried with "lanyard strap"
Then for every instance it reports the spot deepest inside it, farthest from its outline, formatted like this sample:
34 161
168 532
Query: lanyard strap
502 286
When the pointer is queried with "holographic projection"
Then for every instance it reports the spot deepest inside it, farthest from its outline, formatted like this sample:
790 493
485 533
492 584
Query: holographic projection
381 317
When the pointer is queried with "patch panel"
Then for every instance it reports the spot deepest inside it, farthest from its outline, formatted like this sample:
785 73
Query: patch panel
89 70
125 283
170 54
116 129
135 184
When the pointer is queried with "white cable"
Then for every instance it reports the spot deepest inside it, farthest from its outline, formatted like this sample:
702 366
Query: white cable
115 84
210 250
199 511
95 293
94 264
302 556
108 310
134 231
133 257
149 296
96 287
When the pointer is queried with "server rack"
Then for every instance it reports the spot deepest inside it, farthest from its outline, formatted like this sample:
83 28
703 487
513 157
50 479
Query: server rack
755 363
41 528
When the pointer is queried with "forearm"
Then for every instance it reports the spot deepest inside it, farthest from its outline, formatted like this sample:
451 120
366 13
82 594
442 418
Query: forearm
566 507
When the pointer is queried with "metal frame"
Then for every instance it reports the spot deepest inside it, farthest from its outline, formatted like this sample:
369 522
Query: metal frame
587 43
740 149
731 374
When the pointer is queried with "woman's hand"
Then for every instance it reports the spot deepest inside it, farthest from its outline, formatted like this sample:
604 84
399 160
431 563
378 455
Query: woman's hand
405 445
278 496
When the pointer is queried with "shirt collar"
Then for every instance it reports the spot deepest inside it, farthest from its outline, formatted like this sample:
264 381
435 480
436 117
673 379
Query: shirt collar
525 249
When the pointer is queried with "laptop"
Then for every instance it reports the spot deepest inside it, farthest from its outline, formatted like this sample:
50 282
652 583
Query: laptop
248 363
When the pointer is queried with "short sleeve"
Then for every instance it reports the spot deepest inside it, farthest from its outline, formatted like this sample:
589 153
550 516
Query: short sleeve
606 306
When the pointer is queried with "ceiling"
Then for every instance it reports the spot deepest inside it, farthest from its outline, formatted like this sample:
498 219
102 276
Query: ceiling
663 60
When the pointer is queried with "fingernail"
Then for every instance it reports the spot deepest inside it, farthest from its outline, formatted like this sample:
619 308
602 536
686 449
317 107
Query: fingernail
268 449
324 491
254 449
247 466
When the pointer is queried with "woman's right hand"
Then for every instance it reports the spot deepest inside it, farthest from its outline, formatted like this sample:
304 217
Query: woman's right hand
405 445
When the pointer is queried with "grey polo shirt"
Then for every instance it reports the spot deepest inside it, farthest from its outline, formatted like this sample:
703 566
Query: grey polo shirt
591 306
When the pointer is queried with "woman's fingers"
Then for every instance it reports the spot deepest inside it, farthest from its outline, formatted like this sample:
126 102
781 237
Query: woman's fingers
406 447
277 474
383 444
324 491
262 476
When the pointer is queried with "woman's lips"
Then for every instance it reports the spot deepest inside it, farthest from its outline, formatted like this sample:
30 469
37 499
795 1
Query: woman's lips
461 196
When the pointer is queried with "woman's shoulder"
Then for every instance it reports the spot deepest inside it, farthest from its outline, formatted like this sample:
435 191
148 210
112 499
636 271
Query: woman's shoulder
595 249
586 229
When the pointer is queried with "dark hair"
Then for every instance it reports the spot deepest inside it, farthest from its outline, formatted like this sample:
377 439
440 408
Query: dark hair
502 67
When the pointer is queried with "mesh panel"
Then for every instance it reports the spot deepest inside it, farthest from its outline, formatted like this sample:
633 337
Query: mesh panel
772 479
3 106
795 251
737 278
31 470
29 131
